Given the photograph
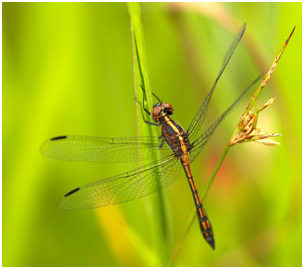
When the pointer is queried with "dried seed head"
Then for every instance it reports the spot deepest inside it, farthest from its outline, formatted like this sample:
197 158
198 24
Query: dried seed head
268 142
270 101
248 130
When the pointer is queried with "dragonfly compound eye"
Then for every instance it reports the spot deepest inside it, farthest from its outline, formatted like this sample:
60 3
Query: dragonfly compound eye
155 113
168 108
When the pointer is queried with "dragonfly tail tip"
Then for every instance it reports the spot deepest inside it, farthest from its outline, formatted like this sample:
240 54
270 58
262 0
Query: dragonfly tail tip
212 243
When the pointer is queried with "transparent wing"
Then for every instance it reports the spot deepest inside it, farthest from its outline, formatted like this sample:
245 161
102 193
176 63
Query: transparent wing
203 139
200 115
104 150
124 187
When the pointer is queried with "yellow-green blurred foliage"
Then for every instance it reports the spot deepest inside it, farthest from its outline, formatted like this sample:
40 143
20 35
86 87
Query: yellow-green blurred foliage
67 69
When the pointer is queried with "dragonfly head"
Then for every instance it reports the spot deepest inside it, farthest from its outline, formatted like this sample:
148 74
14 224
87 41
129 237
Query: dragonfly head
161 109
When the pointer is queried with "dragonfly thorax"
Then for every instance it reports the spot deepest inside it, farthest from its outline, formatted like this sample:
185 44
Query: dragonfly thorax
160 110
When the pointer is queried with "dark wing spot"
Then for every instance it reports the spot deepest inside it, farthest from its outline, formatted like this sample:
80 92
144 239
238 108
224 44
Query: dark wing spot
59 137
71 192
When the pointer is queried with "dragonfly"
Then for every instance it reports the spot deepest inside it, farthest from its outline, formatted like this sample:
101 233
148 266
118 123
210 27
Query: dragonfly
176 149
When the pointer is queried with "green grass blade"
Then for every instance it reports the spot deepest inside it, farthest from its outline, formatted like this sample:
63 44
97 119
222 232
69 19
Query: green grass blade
161 230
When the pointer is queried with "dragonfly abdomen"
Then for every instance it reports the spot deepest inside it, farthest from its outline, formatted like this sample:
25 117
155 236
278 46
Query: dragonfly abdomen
205 225
204 222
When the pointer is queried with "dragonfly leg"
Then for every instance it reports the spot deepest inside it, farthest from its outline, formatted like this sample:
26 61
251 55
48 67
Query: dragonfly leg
144 97
145 109
162 141
142 104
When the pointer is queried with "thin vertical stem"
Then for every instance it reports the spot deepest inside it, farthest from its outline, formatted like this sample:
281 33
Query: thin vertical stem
214 173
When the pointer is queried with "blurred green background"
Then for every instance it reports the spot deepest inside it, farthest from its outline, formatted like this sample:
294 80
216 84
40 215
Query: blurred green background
67 69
